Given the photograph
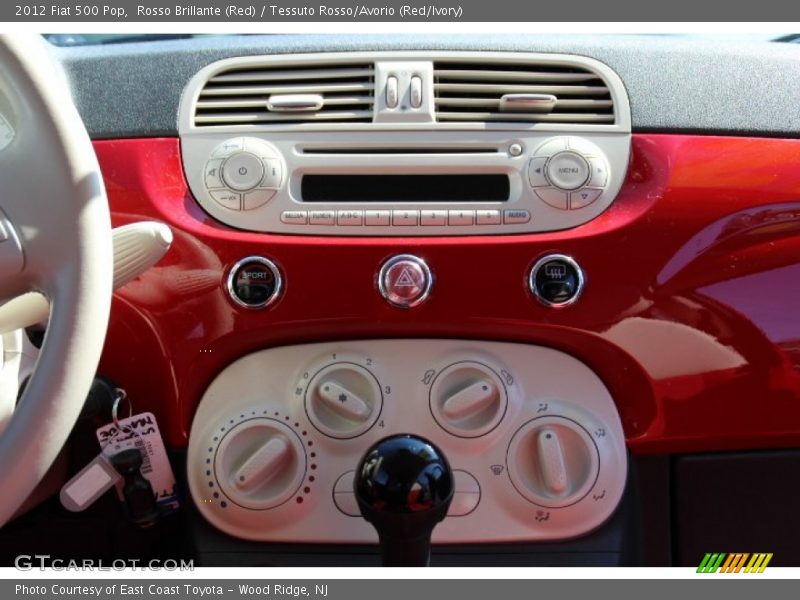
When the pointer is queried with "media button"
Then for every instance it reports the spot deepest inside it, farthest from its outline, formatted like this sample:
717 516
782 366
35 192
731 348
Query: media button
294 217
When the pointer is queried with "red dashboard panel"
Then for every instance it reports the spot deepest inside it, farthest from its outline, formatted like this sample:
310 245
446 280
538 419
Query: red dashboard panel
693 282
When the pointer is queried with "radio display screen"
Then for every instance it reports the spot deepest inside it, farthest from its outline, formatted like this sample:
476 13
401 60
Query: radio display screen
405 188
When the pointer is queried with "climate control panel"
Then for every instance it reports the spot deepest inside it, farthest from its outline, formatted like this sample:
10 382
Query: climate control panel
532 435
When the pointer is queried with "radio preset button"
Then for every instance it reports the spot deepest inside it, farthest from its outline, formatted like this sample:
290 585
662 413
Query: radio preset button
487 217
433 217
350 217
256 198
567 170
461 217
294 217
554 197
405 281
516 216
583 197
322 217
378 217
227 199
242 171
405 217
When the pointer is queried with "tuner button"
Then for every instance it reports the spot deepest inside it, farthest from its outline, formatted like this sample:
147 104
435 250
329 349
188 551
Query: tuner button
260 463
468 399
553 462
343 400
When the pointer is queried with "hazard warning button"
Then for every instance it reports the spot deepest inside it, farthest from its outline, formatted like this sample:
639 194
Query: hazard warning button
405 281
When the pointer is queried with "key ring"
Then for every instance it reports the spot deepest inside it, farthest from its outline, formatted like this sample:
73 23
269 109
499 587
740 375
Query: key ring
121 396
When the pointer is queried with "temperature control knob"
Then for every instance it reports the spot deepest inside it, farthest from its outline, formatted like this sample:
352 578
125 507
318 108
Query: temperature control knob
468 399
552 461
260 463
343 400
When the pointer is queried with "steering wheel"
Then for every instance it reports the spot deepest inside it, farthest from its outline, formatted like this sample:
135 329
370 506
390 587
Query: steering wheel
55 238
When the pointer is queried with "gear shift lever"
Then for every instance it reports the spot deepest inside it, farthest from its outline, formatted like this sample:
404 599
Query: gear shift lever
404 486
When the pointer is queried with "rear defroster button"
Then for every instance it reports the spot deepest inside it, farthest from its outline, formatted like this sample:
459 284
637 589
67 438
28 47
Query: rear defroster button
405 281
556 280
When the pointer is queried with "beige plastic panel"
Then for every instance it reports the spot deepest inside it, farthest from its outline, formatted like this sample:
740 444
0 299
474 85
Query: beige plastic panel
546 392
448 148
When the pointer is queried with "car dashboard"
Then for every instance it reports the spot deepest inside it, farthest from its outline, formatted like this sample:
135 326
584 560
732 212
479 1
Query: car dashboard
567 261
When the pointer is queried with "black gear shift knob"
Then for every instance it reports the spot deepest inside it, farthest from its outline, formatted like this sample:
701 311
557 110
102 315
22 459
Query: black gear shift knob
404 486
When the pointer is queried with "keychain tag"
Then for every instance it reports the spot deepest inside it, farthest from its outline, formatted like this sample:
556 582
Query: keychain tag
80 492
141 432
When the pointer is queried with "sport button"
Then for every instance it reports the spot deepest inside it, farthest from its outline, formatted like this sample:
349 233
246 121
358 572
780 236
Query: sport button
568 170
243 171
405 281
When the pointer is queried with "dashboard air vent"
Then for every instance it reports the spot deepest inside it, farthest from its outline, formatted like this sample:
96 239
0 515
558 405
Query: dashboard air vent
516 92
319 92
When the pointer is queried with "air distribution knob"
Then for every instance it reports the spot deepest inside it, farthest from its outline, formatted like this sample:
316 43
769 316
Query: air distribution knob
404 486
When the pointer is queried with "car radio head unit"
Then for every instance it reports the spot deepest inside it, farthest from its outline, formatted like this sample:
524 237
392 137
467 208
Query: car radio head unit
405 143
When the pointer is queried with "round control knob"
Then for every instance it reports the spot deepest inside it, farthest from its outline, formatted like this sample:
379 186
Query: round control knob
468 399
242 171
567 170
553 462
260 463
343 400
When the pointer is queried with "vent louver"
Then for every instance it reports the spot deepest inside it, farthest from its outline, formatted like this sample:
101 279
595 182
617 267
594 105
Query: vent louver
319 92
534 93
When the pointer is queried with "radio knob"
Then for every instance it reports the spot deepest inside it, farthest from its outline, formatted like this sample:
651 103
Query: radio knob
567 170
260 463
553 462
468 399
242 171
248 172
343 400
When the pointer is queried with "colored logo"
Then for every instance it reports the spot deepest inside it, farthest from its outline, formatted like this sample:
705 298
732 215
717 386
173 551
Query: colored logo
734 563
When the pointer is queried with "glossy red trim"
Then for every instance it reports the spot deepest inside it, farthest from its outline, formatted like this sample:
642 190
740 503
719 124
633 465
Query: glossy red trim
693 281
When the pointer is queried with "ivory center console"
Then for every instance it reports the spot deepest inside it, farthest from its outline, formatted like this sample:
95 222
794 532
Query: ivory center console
532 435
